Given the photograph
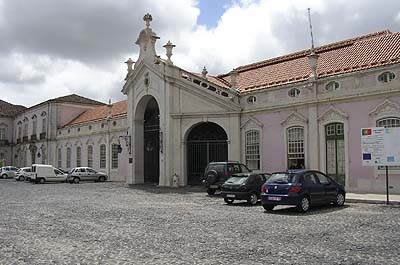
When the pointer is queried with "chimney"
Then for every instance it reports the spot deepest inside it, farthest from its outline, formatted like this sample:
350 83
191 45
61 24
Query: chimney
109 106
234 74
313 60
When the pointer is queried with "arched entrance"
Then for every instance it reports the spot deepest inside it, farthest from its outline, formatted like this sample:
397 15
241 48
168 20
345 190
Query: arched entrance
151 142
206 142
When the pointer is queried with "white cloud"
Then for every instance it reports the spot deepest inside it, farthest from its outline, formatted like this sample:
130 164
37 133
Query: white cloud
81 47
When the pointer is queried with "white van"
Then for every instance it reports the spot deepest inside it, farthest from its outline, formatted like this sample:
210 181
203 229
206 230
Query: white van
47 173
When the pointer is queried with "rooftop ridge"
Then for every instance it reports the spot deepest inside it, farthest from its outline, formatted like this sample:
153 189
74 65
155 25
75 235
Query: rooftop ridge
98 111
302 53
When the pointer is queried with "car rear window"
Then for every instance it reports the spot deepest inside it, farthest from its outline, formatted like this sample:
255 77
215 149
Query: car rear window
217 167
237 180
283 178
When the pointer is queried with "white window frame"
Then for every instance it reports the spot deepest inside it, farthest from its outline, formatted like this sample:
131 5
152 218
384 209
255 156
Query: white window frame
78 156
59 158
300 142
90 155
69 152
103 156
252 149
3 133
114 156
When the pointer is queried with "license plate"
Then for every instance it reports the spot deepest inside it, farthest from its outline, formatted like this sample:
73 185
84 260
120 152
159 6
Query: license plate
214 186
274 198
230 195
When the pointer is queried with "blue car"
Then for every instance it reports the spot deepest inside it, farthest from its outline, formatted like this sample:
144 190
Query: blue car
302 189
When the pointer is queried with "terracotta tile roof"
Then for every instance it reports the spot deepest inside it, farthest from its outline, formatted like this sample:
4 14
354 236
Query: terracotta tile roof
74 98
100 113
364 52
10 110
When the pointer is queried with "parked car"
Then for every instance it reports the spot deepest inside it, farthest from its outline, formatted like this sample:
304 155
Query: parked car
301 188
78 174
23 173
8 172
47 173
216 173
243 186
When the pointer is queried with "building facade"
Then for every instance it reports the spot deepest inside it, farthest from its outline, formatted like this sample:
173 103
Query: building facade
301 110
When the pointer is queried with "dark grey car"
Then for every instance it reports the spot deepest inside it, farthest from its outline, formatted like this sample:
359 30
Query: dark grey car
78 174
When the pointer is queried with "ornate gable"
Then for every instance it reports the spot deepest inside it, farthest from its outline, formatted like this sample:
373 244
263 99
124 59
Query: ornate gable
294 118
386 108
333 114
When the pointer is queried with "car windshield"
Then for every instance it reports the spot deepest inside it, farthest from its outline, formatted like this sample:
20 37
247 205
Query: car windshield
281 178
237 180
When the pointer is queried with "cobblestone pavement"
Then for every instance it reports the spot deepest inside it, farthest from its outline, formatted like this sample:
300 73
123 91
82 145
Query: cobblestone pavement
109 223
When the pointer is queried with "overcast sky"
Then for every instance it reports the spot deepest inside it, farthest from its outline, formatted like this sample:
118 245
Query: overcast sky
51 48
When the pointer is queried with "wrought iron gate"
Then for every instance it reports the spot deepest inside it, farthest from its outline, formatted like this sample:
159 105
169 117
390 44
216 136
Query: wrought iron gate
200 153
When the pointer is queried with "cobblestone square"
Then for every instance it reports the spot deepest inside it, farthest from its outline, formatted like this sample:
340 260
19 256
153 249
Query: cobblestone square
110 223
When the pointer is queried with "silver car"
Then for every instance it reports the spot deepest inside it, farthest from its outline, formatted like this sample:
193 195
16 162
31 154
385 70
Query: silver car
23 173
8 172
78 174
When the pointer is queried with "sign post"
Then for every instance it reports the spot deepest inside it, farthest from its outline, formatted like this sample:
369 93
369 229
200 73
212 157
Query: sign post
381 147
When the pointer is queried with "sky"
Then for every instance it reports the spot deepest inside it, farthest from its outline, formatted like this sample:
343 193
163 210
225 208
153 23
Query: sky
54 48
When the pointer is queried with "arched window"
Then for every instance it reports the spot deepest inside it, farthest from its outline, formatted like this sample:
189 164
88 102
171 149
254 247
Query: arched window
69 157
114 156
386 77
78 156
253 149
102 156
331 86
388 122
59 158
295 147
294 92
90 156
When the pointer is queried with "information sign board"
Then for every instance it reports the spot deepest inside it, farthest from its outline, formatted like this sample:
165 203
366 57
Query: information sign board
380 146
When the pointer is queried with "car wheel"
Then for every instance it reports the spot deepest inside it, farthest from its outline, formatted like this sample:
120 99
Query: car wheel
4 176
21 178
253 199
76 180
211 191
228 200
339 199
102 179
268 207
42 181
304 205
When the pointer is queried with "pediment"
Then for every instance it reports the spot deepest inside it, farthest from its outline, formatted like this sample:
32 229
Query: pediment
252 122
294 118
386 108
333 114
